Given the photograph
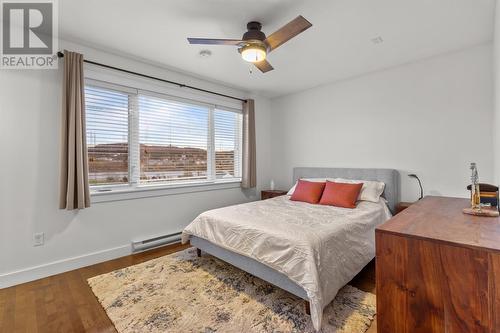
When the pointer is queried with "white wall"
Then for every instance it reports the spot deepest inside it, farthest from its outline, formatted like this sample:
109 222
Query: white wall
496 70
30 109
432 118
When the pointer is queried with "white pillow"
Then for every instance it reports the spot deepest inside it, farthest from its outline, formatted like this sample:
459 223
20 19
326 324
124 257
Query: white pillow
371 190
316 180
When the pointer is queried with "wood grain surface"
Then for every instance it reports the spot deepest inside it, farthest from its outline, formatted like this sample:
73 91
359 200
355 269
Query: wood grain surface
438 270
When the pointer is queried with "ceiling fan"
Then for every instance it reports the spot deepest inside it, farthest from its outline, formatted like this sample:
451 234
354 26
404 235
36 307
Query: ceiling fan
254 45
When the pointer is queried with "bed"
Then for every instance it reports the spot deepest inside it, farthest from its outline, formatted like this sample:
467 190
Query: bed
308 250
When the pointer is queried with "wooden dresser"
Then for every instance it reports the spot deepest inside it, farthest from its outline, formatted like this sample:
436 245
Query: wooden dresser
438 270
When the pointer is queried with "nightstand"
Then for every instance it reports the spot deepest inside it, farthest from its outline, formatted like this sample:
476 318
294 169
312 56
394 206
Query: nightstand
402 206
268 194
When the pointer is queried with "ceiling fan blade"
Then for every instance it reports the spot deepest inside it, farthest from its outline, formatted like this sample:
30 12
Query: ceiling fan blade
264 66
287 32
211 41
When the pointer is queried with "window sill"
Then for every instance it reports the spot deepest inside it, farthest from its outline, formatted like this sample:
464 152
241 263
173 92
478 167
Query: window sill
119 193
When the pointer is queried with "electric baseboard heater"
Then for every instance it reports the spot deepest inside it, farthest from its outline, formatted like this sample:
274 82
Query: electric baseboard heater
146 244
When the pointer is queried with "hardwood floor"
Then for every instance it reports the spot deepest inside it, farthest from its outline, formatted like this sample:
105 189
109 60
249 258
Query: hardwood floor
65 303
365 281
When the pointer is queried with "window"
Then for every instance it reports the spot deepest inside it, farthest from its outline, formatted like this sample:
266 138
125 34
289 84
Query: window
227 139
137 138
173 139
107 136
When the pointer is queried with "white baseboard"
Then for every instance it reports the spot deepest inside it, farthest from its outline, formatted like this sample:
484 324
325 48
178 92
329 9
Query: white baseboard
61 266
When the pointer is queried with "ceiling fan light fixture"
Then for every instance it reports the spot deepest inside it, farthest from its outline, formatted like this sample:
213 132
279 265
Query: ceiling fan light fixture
253 53
254 45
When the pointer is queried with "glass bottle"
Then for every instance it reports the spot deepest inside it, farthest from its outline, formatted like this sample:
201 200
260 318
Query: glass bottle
475 195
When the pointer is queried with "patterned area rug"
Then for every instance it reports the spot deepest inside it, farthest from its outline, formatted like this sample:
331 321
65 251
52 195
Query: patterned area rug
184 293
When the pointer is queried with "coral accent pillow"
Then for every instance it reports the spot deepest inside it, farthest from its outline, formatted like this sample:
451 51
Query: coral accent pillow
340 194
308 191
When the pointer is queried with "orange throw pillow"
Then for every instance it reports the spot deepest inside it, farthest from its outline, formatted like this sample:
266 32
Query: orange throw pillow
308 191
340 194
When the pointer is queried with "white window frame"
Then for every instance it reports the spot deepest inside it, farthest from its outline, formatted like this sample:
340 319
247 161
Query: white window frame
132 190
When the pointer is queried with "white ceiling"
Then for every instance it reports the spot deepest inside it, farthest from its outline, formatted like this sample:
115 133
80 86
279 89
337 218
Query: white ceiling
338 46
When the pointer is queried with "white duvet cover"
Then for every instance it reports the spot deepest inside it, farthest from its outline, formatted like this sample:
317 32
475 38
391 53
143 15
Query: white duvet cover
321 248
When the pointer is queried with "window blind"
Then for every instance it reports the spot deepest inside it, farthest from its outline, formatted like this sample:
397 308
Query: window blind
107 135
137 137
173 137
227 143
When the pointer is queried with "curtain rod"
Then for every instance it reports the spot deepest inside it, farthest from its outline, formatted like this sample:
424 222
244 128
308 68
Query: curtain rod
181 85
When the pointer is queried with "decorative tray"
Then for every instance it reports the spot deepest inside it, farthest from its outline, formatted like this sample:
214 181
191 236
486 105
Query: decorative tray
484 211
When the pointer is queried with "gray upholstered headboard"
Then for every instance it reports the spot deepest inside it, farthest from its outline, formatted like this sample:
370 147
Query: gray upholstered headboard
388 176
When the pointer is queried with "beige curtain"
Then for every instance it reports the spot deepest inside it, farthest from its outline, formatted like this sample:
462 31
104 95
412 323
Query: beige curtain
249 168
74 190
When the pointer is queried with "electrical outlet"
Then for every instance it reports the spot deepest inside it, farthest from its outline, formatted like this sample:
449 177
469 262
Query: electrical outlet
38 239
